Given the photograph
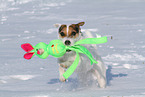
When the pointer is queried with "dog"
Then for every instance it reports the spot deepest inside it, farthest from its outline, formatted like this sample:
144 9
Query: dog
69 34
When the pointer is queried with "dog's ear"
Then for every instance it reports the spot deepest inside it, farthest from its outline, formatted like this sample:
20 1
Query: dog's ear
81 23
57 25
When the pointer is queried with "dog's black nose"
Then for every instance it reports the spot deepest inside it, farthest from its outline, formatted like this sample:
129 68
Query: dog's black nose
67 42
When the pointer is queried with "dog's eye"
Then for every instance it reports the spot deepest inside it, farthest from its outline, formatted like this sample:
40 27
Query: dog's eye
62 34
73 33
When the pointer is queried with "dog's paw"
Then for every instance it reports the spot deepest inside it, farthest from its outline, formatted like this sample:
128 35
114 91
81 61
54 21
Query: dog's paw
62 79
102 83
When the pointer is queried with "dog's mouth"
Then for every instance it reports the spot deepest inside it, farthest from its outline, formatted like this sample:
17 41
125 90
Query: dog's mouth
68 50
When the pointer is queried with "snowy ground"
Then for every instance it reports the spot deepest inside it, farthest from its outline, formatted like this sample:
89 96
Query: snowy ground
32 21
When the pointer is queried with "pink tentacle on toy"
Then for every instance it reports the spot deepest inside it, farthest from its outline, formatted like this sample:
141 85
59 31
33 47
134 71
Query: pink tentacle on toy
28 55
27 47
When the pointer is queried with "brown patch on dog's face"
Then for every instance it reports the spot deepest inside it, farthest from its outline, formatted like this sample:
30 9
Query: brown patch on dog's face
63 31
71 31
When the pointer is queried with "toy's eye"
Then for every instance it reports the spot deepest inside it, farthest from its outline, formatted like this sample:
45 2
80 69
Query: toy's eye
73 33
52 46
36 49
62 34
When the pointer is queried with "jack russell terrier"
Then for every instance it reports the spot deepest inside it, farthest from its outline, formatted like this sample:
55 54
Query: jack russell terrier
69 34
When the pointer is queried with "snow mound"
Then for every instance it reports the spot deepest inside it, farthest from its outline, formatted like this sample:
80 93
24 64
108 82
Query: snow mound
6 79
129 66
22 77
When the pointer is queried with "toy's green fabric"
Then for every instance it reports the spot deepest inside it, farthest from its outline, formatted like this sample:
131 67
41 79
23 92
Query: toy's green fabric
57 49
72 68
92 41
81 49
40 45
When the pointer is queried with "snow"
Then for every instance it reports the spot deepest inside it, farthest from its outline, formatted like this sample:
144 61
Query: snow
125 57
23 21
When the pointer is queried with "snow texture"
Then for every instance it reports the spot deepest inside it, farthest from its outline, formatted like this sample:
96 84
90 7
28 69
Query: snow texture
23 21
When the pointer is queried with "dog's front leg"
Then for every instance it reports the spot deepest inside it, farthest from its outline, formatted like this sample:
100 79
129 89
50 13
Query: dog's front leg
101 79
99 71
61 72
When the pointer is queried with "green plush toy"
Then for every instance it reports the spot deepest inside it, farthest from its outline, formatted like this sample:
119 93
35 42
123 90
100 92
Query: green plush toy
57 49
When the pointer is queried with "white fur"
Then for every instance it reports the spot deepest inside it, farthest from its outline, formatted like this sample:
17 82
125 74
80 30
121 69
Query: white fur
85 70
67 29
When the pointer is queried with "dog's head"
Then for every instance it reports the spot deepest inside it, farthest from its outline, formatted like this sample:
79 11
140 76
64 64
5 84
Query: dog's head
69 34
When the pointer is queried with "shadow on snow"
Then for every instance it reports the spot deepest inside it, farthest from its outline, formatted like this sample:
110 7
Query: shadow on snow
110 76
